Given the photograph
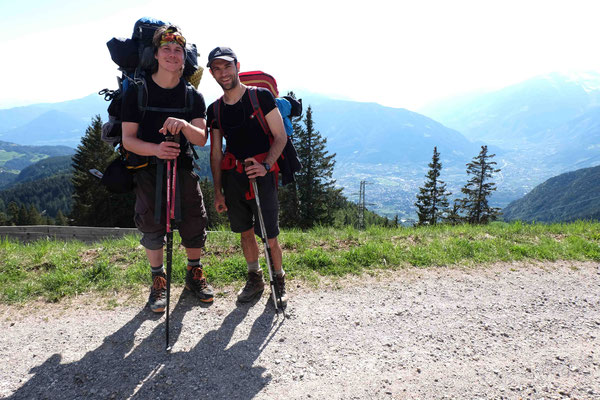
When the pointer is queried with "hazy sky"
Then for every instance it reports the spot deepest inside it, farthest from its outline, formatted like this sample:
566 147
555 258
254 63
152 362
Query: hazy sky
396 53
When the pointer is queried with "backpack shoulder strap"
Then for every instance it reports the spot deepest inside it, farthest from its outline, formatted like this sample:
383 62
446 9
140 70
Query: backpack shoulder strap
217 112
142 88
258 114
189 98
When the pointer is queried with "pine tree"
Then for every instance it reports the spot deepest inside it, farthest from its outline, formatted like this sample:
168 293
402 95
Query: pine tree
33 216
479 188
315 185
432 200
288 195
61 219
453 216
12 212
93 205
23 216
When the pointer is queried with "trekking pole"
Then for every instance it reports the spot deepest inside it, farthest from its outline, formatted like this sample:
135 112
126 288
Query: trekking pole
169 215
275 292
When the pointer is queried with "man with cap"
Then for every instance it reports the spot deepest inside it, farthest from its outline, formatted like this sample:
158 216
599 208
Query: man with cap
144 136
246 142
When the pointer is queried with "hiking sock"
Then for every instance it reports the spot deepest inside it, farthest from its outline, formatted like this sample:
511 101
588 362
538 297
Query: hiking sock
194 263
158 270
281 272
253 266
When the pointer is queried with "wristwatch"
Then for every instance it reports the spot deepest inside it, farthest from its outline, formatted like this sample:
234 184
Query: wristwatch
267 166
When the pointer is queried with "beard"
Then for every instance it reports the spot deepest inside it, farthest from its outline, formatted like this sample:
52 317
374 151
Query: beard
235 81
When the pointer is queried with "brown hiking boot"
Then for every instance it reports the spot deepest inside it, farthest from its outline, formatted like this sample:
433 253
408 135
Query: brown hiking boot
255 285
158 293
280 285
195 281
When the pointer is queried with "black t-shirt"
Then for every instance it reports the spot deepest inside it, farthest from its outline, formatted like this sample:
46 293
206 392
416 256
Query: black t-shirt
151 121
242 131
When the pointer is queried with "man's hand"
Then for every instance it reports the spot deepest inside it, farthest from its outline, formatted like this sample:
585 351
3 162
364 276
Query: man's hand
173 126
167 150
220 202
256 169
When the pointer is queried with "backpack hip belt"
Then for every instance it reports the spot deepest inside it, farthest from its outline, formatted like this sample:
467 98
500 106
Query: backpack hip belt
229 162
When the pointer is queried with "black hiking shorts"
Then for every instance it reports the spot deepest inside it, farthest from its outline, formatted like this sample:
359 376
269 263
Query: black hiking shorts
192 227
243 213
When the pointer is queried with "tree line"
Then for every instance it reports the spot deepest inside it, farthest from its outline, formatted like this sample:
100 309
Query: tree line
432 200
312 200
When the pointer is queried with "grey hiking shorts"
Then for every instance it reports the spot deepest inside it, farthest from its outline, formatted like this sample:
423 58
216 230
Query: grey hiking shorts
192 227
242 212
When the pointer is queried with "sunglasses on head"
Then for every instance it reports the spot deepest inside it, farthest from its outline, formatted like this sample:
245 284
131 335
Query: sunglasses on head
172 37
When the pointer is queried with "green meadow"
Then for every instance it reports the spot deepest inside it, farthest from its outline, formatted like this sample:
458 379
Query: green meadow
51 270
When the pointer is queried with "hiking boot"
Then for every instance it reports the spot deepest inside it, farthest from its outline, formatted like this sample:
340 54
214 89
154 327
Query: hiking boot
158 293
195 281
255 285
280 281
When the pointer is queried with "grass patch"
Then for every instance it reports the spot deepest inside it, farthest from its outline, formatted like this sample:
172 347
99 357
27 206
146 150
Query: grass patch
51 269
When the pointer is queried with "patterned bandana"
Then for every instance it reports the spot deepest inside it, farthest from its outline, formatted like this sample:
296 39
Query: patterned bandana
172 37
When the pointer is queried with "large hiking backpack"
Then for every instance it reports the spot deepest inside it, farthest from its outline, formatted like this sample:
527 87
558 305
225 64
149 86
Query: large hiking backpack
135 57
264 80
288 162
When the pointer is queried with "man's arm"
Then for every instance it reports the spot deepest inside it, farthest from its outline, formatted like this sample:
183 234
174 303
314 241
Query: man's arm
275 123
216 156
195 131
163 150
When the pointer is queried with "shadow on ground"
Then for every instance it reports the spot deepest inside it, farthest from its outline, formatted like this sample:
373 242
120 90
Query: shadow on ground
119 370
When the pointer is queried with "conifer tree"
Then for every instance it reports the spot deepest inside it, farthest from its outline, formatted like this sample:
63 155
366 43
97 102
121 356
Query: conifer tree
453 216
93 205
12 212
432 200
61 219
288 195
479 188
315 185
23 216
33 216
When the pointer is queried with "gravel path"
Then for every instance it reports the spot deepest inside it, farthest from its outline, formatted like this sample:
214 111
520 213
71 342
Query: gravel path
502 331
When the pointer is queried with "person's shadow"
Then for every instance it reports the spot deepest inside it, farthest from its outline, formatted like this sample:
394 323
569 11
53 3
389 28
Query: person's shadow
120 370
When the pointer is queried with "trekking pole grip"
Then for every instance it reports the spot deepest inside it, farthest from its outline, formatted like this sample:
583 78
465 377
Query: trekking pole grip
249 164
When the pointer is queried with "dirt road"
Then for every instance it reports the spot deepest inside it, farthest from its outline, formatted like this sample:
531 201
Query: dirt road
502 331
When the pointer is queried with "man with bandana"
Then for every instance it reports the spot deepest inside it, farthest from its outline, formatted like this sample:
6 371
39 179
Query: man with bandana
144 131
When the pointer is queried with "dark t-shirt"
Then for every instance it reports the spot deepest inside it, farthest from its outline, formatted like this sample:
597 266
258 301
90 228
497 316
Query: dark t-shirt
151 121
242 131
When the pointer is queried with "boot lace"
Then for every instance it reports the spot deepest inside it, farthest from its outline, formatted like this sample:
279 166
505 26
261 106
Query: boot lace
199 277
159 286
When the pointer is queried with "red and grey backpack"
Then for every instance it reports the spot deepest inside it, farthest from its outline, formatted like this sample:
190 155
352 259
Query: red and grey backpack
288 162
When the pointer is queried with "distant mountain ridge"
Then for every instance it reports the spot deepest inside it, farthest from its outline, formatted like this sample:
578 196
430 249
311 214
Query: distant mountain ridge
374 134
525 113
61 123
564 198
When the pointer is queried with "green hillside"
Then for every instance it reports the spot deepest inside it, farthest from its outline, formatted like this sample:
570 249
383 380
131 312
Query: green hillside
49 194
45 168
568 197
14 158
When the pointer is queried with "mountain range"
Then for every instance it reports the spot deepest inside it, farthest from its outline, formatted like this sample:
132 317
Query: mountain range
537 129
